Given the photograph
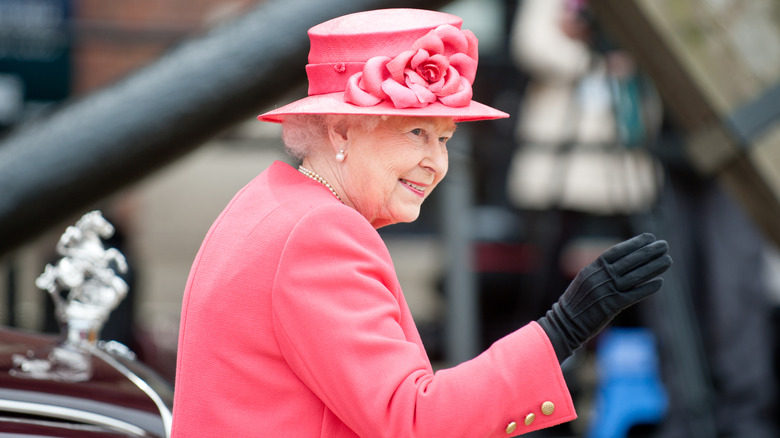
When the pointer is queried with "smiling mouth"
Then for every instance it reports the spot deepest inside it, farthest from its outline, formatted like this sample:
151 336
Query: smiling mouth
414 186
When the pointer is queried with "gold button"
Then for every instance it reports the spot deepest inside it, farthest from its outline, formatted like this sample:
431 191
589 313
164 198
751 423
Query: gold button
548 408
529 419
511 427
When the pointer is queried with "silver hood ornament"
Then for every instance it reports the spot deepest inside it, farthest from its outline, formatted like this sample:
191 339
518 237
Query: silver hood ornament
85 288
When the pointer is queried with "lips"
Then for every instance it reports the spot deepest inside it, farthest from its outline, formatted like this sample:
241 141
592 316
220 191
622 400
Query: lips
417 188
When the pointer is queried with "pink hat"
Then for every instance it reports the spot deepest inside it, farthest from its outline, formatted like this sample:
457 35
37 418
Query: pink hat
405 62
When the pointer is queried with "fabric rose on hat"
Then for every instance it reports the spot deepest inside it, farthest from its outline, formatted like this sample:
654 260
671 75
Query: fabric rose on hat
440 66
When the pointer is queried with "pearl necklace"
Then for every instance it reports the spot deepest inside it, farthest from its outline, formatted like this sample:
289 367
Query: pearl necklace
313 175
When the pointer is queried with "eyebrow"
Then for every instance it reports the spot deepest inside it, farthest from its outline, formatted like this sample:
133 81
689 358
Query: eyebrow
448 129
432 126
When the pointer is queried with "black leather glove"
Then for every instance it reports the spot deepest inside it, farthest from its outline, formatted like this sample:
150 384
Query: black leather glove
620 277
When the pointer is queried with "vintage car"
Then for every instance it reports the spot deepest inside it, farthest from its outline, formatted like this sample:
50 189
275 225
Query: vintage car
75 385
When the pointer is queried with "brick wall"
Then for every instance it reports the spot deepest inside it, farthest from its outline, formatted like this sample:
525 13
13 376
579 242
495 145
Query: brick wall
112 38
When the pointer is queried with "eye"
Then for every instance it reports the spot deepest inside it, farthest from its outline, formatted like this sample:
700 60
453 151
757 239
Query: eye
417 131
443 140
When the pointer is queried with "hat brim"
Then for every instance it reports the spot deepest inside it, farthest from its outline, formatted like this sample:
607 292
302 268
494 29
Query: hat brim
333 103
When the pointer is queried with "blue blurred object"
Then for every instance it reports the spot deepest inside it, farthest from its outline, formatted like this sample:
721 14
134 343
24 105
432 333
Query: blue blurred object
629 392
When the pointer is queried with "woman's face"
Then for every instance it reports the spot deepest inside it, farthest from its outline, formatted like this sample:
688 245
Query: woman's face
390 171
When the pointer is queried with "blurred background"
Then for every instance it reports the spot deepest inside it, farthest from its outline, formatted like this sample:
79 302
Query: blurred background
626 117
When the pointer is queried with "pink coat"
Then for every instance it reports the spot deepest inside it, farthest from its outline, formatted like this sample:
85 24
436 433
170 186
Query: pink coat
294 325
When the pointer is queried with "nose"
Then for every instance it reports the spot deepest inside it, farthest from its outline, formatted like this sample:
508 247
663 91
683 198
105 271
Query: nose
436 159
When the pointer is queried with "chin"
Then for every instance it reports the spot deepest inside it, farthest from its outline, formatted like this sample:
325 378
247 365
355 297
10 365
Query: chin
392 217
410 216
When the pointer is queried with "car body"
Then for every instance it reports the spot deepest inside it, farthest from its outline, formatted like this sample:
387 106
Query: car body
122 397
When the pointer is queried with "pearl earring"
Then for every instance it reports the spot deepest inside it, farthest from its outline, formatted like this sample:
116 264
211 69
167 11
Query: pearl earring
340 156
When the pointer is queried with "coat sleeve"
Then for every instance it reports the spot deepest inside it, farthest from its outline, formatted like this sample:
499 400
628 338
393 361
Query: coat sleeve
339 325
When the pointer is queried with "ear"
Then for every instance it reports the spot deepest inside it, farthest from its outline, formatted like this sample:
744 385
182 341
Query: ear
338 133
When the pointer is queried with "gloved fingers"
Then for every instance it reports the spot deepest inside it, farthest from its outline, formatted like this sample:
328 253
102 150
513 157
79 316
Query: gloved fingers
641 274
627 247
639 257
643 291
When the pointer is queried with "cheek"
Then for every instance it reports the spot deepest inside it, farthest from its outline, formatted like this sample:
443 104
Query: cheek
392 168
378 186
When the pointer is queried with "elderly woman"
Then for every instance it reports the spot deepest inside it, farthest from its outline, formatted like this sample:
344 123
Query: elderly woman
293 321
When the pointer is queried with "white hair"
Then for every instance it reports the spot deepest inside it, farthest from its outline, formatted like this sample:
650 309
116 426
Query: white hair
304 133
